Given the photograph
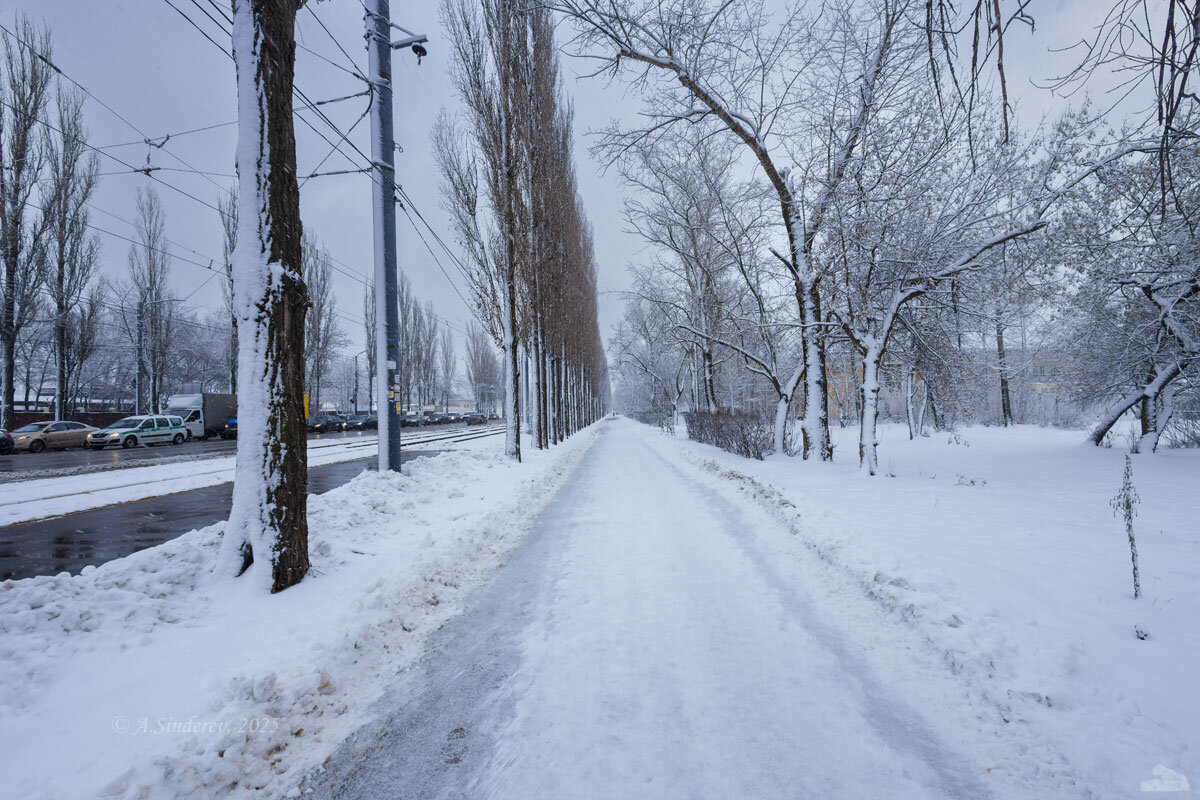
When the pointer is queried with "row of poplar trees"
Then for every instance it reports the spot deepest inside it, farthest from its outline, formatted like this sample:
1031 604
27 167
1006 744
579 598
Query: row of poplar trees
509 186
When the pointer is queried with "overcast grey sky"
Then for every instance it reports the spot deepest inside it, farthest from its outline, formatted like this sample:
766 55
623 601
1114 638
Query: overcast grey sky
142 58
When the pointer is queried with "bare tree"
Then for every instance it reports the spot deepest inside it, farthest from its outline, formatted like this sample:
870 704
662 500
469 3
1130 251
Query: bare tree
369 337
72 253
489 45
449 366
268 523
511 193
149 262
24 92
482 367
227 209
323 333
83 339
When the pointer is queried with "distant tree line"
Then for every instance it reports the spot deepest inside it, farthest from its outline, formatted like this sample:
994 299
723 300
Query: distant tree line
509 186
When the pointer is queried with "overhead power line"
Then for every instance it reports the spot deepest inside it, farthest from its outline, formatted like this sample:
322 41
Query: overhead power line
306 104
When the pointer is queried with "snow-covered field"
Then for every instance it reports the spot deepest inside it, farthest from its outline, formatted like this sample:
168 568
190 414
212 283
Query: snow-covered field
982 583
1003 580
151 677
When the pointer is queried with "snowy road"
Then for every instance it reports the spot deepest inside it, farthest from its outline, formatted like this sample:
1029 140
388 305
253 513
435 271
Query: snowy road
643 642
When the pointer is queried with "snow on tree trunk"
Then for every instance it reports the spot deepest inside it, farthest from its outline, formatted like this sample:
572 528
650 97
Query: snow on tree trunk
786 393
535 404
512 411
267 532
908 403
1006 414
816 414
780 430
868 455
926 400
1162 408
1152 389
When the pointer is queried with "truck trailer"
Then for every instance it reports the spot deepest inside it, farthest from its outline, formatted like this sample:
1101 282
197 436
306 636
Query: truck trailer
204 414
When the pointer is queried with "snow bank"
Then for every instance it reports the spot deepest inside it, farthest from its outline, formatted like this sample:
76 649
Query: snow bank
41 498
150 677
51 497
988 578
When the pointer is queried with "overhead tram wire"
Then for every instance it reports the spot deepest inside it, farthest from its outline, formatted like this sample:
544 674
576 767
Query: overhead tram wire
421 236
120 307
408 201
336 147
334 39
126 164
44 59
209 265
355 71
166 136
309 105
202 129
149 174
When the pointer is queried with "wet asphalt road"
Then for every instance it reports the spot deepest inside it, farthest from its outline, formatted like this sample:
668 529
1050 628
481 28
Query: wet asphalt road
14 463
71 542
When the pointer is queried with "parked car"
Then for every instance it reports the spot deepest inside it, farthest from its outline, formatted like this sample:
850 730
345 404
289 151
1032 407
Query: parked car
147 429
230 429
362 422
412 420
38 436
6 442
475 418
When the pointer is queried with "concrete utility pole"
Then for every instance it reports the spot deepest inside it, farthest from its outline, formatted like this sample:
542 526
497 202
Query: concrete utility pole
383 173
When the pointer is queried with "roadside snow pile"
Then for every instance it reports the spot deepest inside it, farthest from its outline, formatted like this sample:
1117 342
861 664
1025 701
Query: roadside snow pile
40 498
150 676
1004 583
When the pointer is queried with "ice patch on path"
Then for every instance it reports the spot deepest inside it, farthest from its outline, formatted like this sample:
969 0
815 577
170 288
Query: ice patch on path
150 676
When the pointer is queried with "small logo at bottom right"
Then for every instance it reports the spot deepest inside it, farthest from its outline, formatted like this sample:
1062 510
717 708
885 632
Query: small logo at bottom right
1166 780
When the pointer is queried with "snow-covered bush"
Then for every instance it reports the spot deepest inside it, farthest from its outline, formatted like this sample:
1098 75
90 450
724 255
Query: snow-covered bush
747 435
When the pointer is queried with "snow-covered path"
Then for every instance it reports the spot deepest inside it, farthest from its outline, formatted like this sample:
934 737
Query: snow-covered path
643 643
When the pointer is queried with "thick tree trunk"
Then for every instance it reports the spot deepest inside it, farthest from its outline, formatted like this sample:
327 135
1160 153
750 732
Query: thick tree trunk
1162 378
8 356
710 389
510 104
786 393
908 403
60 357
1006 414
535 398
868 453
815 422
233 356
925 399
1162 408
267 531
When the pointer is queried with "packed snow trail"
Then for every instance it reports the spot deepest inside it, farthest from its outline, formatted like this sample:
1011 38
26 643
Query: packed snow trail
641 644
